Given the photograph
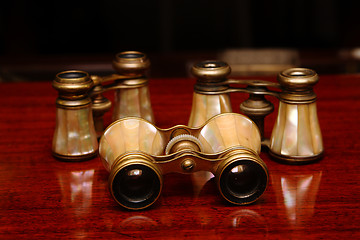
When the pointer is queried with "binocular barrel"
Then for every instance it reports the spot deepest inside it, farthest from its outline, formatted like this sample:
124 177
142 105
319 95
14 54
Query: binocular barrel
74 138
296 137
134 98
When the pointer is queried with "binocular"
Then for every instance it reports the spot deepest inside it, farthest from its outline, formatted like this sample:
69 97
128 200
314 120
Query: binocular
296 137
227 144
137 154
81 105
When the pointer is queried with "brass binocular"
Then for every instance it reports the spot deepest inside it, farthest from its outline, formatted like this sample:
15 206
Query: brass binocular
296 137
81 105
137 153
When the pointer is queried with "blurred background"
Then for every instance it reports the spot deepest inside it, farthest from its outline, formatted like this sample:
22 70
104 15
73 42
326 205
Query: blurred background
40 38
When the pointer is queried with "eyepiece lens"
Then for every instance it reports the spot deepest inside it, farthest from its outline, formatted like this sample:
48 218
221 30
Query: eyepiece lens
71 75
243 181
211 64
136 186
131 55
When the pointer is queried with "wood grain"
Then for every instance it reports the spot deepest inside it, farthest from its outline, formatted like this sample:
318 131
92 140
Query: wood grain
41 197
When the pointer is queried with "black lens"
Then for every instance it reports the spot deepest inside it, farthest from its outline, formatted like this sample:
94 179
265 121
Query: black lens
70 75
131 55
243 181
136 186
211 64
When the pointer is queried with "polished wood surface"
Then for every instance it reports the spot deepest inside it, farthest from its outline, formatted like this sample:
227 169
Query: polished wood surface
41 197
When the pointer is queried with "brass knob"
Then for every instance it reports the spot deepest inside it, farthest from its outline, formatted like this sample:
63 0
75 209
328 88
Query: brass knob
131 63
211 71
188 165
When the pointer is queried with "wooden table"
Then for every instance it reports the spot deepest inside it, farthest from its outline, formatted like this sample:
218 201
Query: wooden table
41 197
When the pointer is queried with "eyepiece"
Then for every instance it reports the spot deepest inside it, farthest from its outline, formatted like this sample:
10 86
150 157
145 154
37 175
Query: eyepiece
242 181
211 71
131 63
136 186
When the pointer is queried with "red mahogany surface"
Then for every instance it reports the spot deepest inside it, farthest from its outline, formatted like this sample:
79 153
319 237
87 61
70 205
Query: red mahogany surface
41 197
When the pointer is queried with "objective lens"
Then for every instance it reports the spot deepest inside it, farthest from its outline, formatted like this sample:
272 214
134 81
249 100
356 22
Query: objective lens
136 186
242 182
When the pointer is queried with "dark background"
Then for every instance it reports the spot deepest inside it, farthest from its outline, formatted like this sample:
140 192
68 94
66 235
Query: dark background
167 27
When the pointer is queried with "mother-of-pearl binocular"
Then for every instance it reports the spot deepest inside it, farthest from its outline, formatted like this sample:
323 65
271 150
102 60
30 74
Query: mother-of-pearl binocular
137 153
296 136
81 105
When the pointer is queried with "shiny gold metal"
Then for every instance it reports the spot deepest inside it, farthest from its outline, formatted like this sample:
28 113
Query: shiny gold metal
211 71
239 161
188 164
228 145
131 63
134 166
81 95
296 137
